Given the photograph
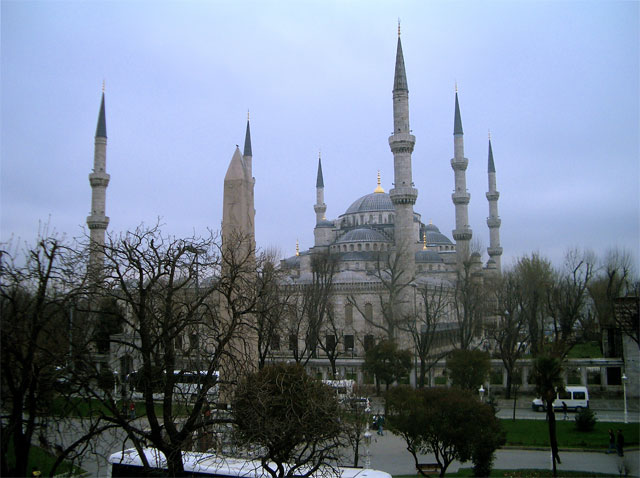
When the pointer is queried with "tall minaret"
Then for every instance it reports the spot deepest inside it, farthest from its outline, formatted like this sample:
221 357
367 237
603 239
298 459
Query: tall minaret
462 233
403 195
493 221
97 221
320 207
251 181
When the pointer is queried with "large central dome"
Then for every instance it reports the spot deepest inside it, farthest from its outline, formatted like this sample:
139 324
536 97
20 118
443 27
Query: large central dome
373 202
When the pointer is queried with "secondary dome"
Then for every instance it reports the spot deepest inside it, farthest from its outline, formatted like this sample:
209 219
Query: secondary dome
363 235
373 202
434 236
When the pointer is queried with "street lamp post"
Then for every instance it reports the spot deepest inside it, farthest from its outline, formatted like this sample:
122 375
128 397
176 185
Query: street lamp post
624 393
367 444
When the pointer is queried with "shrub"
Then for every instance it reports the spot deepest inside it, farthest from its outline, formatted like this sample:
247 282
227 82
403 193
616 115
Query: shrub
585 420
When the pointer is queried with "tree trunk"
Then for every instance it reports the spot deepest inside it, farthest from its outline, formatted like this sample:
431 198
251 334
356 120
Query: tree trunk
553 440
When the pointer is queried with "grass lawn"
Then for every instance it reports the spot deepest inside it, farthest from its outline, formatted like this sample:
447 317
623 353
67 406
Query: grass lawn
536 433
43 461
525 473
586 350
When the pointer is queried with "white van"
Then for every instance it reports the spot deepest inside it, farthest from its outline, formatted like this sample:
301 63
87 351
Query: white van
576 399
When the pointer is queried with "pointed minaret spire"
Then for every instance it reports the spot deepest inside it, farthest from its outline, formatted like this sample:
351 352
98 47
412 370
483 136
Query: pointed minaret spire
400 77
101 128
460 197
403 195
247 140
97 221
457 121
319 179
493 221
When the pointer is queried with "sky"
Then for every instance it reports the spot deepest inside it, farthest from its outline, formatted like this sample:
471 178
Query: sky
556 83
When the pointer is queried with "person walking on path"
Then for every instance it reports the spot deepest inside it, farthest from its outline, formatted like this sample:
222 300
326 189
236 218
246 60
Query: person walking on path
612 442
565 409
620 443
380 424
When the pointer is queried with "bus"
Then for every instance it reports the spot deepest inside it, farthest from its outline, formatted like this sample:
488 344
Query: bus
196 464
186 385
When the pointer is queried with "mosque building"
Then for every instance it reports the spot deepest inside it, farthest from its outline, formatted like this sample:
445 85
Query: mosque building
375 229
378 227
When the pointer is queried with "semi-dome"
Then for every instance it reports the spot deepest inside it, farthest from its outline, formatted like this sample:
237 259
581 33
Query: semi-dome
434 236
363 234
373 202
428 256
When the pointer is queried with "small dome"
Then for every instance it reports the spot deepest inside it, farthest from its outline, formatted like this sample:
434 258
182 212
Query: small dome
373 202
434 236
428 256
363 235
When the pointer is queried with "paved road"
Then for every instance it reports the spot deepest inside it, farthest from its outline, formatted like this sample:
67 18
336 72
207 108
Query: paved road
389 453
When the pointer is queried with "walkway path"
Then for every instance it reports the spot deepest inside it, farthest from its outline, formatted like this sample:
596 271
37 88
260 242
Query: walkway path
389 453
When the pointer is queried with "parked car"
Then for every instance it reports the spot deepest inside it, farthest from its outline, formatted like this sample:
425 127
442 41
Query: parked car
576 399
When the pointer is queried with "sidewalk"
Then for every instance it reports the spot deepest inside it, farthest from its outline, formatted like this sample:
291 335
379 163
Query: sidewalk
388 453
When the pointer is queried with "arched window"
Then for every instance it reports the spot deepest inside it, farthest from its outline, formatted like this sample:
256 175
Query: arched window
348 315
359 247
351 247
368 312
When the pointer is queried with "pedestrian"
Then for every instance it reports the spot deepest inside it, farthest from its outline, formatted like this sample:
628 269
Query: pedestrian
620 443
565 409
132 410
612 442
380 424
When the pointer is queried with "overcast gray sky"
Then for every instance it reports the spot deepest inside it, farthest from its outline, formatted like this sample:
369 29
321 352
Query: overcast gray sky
557 83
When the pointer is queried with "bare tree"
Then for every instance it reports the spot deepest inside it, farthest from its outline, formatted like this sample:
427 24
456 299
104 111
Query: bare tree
469 303
509 332
428 326
273 302
332 340
310 306
567 299
37 292
172 289
536 275
612 291
394 296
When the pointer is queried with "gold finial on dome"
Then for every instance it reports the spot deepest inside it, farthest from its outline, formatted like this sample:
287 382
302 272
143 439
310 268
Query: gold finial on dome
431 222
424 241
297 248
379 188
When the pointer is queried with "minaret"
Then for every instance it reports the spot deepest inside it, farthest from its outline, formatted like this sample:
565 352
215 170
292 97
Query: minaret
97 221
462 233
403 195
493 221
251 181
320 207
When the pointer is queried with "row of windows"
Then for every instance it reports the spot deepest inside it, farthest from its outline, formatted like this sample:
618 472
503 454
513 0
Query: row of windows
329 344
359 247
371 219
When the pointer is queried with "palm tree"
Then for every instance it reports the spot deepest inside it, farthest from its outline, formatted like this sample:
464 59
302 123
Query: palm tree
547 373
